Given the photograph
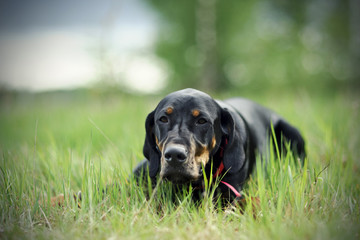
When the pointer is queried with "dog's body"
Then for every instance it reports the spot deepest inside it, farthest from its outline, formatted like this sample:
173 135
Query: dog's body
188 130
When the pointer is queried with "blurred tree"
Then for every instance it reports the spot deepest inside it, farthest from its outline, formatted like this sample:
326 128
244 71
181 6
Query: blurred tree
214 45
176 39
206 43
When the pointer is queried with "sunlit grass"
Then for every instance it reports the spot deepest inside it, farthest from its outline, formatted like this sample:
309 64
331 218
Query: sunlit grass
92 142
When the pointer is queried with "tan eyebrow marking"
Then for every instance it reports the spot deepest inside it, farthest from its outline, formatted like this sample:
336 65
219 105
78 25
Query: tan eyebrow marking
169 110
195 112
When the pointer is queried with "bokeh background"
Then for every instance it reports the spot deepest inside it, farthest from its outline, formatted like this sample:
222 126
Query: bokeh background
156 46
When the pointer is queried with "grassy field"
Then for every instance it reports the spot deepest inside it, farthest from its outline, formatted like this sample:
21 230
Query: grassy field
64 142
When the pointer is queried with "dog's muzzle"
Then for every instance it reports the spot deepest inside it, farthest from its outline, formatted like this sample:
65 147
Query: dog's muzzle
178 165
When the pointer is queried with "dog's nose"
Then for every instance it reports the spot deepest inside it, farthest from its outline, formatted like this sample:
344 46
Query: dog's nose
175 154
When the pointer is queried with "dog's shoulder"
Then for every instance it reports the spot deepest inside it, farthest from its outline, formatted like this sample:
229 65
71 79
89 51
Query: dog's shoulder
251 112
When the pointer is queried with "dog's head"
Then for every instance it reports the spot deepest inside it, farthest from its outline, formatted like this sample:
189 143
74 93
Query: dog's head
184 132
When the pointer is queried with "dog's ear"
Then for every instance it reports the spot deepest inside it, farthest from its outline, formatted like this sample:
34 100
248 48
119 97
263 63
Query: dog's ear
150 150
234 150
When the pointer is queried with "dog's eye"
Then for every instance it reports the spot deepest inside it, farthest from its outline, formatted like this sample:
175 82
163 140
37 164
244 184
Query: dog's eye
201 121
164 119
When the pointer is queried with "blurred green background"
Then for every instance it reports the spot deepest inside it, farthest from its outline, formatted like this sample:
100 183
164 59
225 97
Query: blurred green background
261 44
157 46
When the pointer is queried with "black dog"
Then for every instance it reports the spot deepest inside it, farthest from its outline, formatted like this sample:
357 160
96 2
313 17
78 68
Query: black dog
188 130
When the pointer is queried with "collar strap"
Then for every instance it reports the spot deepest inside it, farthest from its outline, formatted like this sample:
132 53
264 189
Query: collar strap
237 194
220 169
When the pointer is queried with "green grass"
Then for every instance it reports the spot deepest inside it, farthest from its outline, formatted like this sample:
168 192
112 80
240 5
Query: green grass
65 142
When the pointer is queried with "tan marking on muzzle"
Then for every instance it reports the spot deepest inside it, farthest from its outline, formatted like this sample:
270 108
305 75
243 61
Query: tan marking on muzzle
195 112
202 155
158 144
213 142
203 158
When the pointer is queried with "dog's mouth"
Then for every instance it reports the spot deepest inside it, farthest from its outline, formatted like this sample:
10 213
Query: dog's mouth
181 175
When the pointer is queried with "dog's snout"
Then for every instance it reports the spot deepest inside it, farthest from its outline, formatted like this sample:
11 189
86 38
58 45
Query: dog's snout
175 154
